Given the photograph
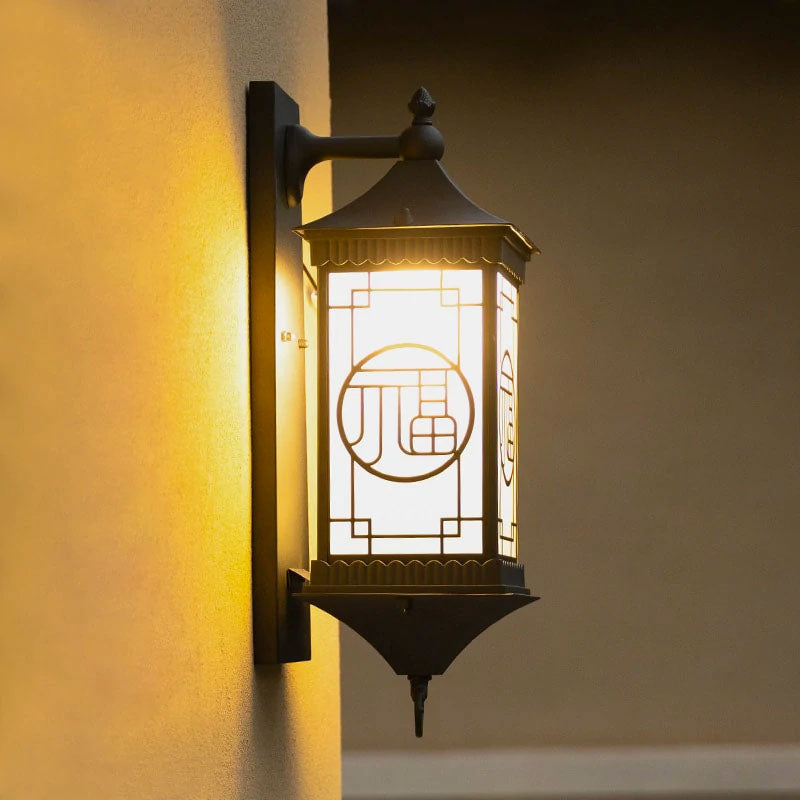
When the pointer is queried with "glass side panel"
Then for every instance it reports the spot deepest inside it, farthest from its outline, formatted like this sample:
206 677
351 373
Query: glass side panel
405 411
507 340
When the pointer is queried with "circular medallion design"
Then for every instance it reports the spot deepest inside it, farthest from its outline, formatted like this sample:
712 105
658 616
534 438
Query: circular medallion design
506 403
405 412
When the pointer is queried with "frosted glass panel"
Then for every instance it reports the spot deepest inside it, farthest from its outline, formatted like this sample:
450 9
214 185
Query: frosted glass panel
405 410
507 339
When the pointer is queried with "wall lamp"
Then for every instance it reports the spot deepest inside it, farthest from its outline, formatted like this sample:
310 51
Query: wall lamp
418 308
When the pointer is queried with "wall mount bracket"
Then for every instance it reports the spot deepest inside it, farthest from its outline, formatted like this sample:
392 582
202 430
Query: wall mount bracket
280 152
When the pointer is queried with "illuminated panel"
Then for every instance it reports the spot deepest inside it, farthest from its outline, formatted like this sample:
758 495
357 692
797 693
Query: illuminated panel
405 379
507 339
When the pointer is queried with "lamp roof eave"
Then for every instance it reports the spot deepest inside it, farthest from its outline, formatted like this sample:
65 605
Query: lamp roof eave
506 230
415 198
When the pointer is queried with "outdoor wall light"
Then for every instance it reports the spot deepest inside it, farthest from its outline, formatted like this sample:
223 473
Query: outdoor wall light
418 308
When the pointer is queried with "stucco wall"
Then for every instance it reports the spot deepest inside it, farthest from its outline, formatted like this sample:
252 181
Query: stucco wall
125 649
651 151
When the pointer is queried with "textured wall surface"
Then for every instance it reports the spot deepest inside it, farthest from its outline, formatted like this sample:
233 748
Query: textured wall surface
651 151
125 639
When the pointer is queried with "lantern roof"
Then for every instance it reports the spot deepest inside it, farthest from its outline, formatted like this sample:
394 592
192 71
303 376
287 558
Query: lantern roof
419 215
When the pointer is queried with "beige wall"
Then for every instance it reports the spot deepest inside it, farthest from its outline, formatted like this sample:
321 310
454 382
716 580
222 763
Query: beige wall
651 151
125 634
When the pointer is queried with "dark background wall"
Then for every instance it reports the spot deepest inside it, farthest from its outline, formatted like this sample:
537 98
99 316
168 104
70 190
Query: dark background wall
651 151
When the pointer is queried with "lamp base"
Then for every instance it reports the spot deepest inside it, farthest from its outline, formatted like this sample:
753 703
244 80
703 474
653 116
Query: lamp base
418 633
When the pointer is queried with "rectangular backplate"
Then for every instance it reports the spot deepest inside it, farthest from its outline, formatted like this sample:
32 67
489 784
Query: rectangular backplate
281 629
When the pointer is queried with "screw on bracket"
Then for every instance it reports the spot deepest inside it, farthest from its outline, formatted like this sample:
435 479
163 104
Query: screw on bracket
288 336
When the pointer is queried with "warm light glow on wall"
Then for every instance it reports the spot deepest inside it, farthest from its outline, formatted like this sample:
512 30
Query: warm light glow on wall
405 406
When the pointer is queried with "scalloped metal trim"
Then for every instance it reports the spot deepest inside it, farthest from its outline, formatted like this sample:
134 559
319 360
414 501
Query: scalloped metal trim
493 572
500 264
408 261
375 251
431 249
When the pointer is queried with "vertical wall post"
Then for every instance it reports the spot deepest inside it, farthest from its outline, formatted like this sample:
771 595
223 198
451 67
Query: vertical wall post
281 631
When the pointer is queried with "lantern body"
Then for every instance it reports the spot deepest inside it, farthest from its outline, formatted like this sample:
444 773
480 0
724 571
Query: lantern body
418 335
418 409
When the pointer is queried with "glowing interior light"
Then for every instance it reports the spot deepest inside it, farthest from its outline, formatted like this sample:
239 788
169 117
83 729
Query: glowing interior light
405 411
507 340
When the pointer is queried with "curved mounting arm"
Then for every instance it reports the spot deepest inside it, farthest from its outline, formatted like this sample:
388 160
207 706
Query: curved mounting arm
305 150
421 140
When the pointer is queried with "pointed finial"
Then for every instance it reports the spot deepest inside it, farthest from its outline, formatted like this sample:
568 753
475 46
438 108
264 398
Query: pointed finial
419 692
421 141
422 105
